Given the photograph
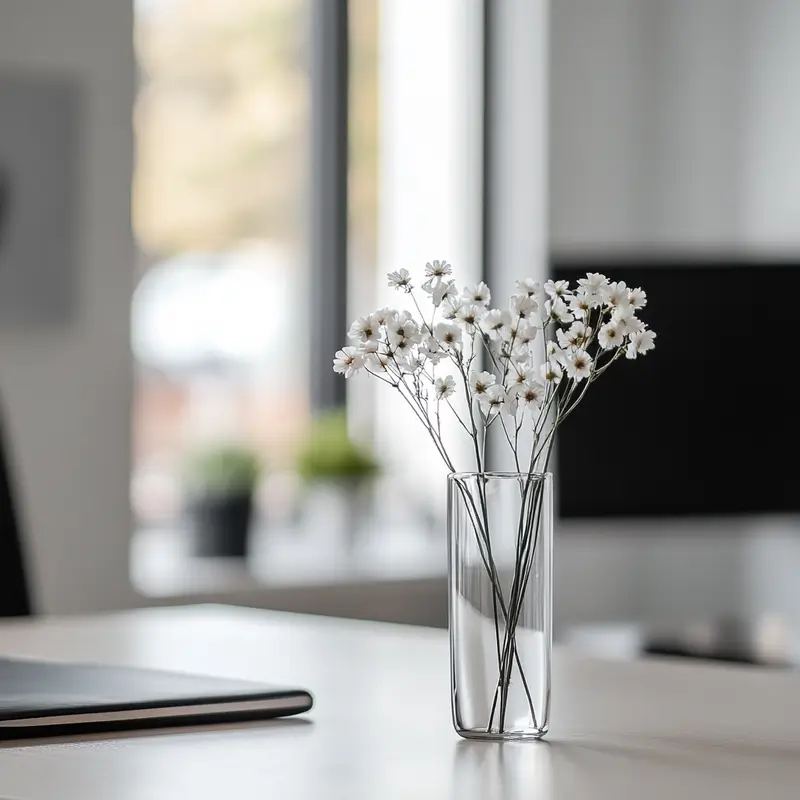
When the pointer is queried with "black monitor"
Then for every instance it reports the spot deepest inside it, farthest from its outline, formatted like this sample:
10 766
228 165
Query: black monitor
709 422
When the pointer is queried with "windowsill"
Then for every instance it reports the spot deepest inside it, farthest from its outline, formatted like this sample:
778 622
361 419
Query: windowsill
163 565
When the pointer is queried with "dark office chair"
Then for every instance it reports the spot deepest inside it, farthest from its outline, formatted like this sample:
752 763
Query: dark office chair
15 598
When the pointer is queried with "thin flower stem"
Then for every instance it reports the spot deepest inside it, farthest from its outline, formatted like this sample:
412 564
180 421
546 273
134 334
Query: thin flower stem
458 416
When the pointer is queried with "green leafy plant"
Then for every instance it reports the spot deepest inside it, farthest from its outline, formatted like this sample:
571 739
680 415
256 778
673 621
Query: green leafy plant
224 470
329 453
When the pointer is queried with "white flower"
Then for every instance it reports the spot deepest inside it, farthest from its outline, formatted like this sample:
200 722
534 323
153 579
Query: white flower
495 320
381 316
444 387
494 399
437 269
551 372
479 294
365 329
520 356
580 304
555 353
617 295
526 332
378 362
527 286
440 290
401 279
531 395
594 283
557 288
517 379
448 335
637 298
577 335
579 365
410 364
610 336
450 307
401 328
557 311
641 342
370 346
469 315
523 305
432 350
348 361
626 320
479 383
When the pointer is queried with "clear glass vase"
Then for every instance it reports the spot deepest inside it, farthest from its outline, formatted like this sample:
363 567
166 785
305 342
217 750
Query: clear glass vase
500 529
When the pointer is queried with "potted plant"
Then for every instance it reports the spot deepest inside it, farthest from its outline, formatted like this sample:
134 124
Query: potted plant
220 483
336 472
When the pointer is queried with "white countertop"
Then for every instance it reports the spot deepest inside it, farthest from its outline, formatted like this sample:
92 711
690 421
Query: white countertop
381 724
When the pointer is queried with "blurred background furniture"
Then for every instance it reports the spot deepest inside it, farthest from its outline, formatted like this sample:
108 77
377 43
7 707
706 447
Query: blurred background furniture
14 593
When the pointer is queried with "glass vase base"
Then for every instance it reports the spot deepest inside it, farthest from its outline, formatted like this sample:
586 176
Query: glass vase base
506 736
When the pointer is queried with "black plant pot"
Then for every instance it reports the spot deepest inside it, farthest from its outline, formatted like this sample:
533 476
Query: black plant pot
220 524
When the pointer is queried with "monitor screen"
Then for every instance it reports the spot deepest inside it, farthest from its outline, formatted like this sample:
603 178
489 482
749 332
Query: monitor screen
707 423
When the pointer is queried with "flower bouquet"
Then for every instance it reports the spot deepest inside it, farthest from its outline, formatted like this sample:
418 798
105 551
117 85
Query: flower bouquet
519 371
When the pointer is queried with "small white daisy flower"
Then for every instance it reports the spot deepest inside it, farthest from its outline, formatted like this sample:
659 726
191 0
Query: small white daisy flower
517 379
641 343
594 283
637 298
469 315
432 350
527 286
626 320
382 315
444 387
448 335
617 295
494 321
479 294
531 395
557 288
402 328
551 372
364 329
479 383
378 362
579 365
450 307
493 400
577 335
581 304
437 269
443 290
610 336
523 305
401 279
555 353
348 361
557 311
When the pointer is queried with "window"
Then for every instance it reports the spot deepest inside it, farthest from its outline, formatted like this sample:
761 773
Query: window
222 205
220 214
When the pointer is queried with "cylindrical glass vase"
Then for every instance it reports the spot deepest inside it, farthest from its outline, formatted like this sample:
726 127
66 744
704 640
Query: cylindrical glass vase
500 529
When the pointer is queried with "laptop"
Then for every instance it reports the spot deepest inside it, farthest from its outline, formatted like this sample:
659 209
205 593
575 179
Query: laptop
42 698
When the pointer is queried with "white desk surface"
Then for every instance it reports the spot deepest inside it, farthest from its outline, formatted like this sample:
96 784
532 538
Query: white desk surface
381 727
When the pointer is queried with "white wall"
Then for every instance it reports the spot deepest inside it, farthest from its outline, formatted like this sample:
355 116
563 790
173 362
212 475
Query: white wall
673 123
67 391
